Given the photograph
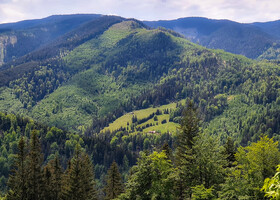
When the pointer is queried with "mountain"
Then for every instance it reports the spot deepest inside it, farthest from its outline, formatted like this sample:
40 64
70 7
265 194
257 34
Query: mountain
250 40
20 38
272 28
110 66
116 87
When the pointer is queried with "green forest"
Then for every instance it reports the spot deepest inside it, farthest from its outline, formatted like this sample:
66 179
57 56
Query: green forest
114 109
197 167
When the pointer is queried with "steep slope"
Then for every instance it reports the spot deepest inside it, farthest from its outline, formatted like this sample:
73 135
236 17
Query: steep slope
55 142
106 74
245 39
111 66
53 52
18 39
272 28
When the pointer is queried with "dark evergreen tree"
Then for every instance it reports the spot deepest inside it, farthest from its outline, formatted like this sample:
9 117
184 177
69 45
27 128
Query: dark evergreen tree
168 150
210 161
151 178
184 155
125 163
80 178
114 185
56 170
66 182
17 180
230 150
34 173
53 180
87 178
47 188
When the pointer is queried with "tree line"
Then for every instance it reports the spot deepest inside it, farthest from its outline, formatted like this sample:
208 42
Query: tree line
199 167
31 179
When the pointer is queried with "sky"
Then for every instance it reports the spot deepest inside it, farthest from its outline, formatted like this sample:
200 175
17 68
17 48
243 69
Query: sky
244 11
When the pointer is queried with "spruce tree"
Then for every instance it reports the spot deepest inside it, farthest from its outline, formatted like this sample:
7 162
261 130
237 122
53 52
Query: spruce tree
74 173
80 178
52 180
184 154
168 150
87 175
47 188
17 180
34 173
66 182
114 186
56 170
229 152
210 161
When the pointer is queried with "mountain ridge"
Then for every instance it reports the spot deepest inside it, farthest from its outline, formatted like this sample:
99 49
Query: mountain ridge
239 38
97 74
32 34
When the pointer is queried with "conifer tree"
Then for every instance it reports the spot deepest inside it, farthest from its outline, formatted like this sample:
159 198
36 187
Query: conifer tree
56 170
255 163
53 180
184 154
210 161
151 178
34 173
47 188
125 163
114 186
229 152
87 176
168 150
75 191
80 178
66 182
17 180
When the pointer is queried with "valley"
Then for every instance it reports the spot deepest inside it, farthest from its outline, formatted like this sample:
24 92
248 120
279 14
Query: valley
134 92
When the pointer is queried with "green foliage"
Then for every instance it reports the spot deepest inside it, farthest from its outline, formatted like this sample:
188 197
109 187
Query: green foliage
114 185
31 181
209 161
53 179
18 180
185 155
24 38
33 87
229 151
101 71
272 53
92 80
55 142
151 178
199 192
80 178
271 186
34 174
253 164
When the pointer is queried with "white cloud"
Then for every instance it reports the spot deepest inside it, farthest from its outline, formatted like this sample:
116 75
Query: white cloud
237 10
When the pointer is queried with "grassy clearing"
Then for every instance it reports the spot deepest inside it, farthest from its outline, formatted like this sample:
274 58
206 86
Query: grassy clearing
170 127
126 120
9 102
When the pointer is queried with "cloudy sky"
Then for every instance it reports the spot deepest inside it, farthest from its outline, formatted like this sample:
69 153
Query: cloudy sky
237 10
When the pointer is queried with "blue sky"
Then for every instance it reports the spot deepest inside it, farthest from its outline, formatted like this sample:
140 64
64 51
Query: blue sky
237 10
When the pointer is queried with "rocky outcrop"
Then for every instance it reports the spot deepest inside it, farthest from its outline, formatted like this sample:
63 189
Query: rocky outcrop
6 40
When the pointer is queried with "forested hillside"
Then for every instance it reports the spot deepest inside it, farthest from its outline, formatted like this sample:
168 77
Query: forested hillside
113 89
56 142
250 40
83 83
197 166
21 38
